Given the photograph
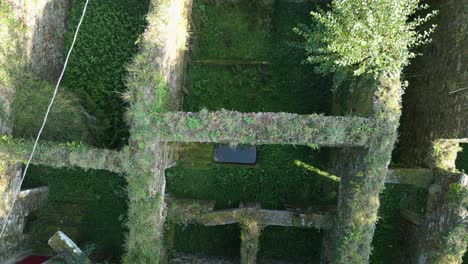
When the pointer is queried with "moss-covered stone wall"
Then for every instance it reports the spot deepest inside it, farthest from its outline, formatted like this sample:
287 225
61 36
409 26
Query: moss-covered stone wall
435 101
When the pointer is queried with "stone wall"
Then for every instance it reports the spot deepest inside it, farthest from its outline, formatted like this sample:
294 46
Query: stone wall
42 44
14 240
435 105
45 22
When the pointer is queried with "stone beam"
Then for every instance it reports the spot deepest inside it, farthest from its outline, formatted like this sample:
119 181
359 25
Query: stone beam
250 241
62 154
262 128
14 239
201 212
67 249
412 217
419 177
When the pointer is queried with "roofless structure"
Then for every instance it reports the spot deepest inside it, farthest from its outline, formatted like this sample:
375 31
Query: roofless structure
157 125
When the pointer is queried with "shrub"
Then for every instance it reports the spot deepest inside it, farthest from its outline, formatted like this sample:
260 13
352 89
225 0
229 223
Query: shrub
362 37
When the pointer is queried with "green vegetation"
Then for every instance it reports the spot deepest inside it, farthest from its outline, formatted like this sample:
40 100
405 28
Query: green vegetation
365 38
295 244
215 240
97 69
387 234
29 94
270 182
62 154
462 158
277 181
89 206
252 31
66 121
261 128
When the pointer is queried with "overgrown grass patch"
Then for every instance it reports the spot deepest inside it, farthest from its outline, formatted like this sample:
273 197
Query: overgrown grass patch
276 181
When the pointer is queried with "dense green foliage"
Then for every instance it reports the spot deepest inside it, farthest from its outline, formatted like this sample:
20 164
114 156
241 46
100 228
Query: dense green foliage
217 240
12 58
365 37
97 69
89 206
252 31
462 158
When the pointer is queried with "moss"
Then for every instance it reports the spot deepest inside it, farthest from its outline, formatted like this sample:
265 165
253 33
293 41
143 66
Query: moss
444 155
62 154
265 128
361 185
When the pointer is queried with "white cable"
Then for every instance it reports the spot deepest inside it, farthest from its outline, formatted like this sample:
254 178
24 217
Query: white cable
15 197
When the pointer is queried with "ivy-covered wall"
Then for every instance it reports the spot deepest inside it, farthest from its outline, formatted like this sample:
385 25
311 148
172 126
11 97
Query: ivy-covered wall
96 72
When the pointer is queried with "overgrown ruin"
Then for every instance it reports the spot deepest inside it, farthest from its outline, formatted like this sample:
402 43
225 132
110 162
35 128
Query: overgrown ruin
360 138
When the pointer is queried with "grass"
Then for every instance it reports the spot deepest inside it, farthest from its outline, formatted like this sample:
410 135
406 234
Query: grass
276 181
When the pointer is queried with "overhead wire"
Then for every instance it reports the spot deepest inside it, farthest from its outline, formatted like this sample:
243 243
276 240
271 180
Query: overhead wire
17 192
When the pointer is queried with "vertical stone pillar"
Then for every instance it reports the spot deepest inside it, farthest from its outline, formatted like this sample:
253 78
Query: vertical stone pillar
250 235
444 233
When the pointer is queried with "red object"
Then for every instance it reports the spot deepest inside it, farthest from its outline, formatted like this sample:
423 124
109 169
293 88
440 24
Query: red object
34 260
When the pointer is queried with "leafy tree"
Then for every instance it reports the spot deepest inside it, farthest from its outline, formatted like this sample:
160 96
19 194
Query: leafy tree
365 37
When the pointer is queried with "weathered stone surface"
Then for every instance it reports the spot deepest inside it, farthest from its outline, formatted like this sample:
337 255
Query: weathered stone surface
250 236
419 177
155 84
201 212
435 104
14 240
64 246
363 173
